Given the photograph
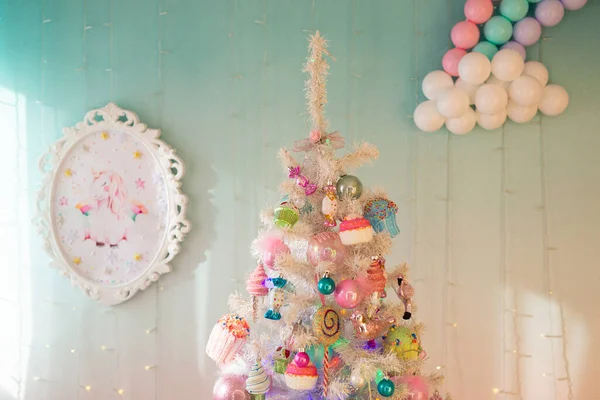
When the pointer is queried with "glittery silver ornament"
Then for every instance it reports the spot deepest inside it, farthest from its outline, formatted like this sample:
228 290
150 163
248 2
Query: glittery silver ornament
349 186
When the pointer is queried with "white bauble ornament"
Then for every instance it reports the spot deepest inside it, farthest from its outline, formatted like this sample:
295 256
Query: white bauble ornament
453 103
491 121
491 99
537 70
463 124
474 68
554 100
435 83
468 88
507 65
427 117
525 91
520 114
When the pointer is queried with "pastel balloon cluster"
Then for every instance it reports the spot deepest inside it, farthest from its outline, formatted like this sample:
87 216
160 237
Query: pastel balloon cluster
505 87
493 80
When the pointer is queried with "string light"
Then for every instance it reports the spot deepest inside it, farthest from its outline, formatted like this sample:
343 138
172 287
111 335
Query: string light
149 331
73 350
120 391
87 388
149 367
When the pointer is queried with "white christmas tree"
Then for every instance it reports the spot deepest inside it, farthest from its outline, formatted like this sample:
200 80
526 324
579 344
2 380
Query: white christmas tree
319 323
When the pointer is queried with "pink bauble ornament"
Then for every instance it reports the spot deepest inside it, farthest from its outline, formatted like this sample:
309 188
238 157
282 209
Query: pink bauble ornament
479 11
347 293
465 35
231 387
302 359
417 386
326 247
273 246
451 60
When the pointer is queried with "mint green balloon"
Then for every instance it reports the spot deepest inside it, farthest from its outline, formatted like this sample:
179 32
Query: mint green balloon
486 48
498 30
514 10
534 1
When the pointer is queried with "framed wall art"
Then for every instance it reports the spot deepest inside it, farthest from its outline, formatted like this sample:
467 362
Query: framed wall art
110 209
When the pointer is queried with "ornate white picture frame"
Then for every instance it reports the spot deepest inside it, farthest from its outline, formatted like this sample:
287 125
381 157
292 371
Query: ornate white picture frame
110 209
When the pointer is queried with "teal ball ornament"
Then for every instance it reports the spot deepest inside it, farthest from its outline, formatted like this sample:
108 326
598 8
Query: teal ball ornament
349 186
326 285
386 388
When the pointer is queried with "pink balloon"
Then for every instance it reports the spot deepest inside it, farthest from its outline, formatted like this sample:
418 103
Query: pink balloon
527 31
573 4
326 246
347 293
516 47
417 386
479 11
465 35
451 60
549 12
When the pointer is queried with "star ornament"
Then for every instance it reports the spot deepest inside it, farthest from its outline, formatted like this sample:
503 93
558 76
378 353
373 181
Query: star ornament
68 172
104 135
137 154
77 260
137 257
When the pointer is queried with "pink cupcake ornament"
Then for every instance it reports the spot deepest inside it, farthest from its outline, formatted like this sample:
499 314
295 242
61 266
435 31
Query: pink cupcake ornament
227 338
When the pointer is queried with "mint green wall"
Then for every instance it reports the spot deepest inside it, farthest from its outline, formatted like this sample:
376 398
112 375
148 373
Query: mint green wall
491 222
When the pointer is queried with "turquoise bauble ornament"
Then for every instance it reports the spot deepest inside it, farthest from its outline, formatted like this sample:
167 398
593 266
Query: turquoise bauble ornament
326 285
386 388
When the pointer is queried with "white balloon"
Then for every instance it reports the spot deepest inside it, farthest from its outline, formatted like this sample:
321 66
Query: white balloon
554 100
507 65
435 83
526 91
520 114
468 88
474 68
453 103
491 121
463 124
537 70
491 99
427 117
504 84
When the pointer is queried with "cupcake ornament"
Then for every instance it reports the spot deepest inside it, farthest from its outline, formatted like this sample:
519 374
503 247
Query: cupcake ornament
355 230
286 215
258 382
301 374
255 286
381 213
227 338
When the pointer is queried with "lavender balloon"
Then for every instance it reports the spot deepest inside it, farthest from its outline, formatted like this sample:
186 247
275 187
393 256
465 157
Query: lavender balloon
527 31
549 12
573 4
516 47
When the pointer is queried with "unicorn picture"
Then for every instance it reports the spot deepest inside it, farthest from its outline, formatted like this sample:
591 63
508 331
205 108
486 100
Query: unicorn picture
109 212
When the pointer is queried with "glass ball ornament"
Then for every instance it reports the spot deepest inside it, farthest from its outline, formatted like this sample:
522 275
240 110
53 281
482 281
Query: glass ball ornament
326 284
231 387
386 388
302 359
349 186
348 294
379 376
357 380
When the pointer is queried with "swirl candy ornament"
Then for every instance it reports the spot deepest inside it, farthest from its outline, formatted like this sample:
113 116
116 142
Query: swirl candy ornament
327 326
